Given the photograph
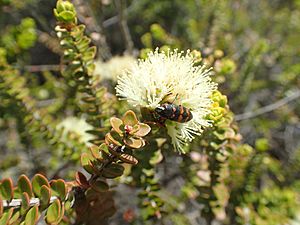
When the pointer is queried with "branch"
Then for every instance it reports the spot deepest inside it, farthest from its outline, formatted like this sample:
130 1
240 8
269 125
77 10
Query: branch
18 202
268 108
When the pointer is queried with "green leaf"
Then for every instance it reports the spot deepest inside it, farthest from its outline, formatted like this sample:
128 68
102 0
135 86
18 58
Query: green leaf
78 32
113 170
134 142
90 67
24 185
66 16
62 212
143 130
130 118
100 185
116 124
113 138
6 189
4 220
37 182
45 196
156 158
53 212
89 54
95 151
14 217
32 216
25 203
83 44
85 163
60 6
59 187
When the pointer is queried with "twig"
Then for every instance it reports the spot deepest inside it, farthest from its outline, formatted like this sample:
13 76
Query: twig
268 108
41 68
122 15
114 19
18 202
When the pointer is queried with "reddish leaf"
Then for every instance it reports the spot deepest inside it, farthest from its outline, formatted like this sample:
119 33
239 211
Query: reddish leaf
81 180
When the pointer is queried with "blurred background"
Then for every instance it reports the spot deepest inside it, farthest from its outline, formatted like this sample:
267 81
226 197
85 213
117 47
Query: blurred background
254 48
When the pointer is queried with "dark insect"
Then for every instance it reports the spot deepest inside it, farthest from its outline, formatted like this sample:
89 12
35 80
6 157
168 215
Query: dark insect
170 111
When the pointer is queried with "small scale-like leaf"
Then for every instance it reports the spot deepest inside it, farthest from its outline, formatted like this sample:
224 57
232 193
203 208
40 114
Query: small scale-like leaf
143 130
90 67
113 170
32 216
110 140
83 44
37 182
130 118
24 185
113 138
59 186
25 203
89 54
45 196
134 142
85 163
78 32
53 212
14 218
6 189
95 151
100 185
157 158
66 16
4 219
116 124
81 180
62 212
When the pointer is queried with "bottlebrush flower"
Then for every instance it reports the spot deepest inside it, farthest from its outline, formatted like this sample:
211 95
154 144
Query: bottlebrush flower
152 81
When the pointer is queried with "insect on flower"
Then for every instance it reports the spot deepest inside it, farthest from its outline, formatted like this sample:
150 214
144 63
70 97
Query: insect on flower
171 111
163 73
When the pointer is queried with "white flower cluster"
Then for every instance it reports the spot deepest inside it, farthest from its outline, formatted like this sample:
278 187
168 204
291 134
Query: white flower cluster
115 66
77 126
163 73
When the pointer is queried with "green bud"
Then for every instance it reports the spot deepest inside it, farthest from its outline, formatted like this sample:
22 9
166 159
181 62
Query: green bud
65 12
